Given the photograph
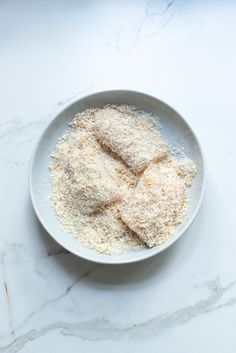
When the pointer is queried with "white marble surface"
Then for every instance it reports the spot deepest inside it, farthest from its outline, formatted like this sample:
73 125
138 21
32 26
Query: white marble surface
183 300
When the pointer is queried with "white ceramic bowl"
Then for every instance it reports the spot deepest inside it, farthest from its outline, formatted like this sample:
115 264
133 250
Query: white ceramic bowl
173 125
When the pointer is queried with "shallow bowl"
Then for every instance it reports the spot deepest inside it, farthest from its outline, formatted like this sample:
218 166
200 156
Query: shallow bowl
174 129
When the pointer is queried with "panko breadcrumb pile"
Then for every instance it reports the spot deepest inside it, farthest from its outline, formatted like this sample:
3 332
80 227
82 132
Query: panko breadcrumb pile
116 184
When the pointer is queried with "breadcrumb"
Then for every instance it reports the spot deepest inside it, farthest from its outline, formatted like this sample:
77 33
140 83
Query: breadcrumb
92 185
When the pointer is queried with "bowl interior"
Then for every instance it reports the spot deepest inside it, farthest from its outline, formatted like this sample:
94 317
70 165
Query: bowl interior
174 129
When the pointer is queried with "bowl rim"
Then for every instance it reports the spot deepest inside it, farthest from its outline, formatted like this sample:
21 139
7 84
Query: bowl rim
121 261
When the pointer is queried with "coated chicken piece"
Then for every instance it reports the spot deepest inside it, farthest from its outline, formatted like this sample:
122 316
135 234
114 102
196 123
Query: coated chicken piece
135 142
157 203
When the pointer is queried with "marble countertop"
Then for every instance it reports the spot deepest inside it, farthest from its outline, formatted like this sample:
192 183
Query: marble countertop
183 52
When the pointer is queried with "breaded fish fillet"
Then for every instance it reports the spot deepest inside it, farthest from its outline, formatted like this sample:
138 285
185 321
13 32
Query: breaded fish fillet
92 185
157 203
136 143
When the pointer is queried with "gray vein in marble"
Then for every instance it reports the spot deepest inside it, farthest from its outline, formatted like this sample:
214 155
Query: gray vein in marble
229 303
16 127
13 246
102 329
7 294
166 14
148 15
140 27
164 25
61 296
168 6
169 17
